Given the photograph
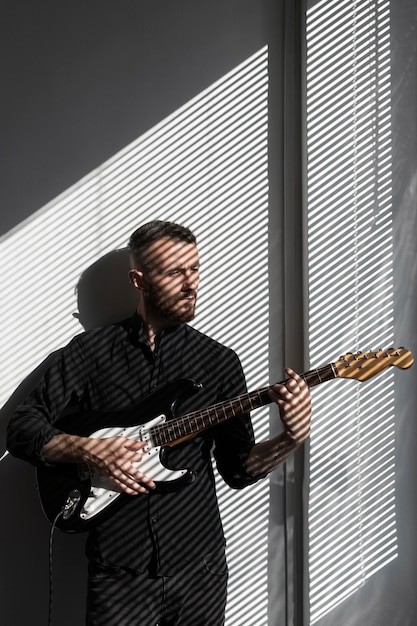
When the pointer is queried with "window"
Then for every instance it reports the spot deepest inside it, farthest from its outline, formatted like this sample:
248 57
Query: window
351 507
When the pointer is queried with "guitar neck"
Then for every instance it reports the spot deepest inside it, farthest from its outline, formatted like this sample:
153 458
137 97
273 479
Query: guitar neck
182 428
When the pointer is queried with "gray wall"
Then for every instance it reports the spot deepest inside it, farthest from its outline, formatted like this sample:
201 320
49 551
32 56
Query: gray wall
80 82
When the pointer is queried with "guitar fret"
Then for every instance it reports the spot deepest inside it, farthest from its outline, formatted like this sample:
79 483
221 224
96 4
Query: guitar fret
209 417
319 375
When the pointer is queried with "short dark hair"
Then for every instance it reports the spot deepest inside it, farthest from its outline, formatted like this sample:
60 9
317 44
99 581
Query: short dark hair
147 234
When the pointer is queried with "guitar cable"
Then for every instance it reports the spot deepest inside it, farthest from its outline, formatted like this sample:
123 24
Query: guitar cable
65 512
51 536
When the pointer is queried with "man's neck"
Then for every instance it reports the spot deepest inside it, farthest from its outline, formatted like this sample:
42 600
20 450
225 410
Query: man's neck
152 328
151 336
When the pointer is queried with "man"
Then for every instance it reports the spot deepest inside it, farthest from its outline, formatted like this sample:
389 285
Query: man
158 559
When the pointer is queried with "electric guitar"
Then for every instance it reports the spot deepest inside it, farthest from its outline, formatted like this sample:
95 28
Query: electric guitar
76 498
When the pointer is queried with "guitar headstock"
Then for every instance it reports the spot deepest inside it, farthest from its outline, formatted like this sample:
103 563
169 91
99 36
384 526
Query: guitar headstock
364 365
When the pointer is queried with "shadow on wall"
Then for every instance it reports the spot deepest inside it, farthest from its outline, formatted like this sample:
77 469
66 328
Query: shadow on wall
104 293
104 296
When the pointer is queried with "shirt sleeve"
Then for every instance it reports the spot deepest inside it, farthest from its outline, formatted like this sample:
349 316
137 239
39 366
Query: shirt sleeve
31 425
233 439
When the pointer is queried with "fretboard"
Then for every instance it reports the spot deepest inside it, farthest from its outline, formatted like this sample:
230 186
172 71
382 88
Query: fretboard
179 429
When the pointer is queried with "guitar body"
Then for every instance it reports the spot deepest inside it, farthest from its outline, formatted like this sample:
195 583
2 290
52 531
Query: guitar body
76 497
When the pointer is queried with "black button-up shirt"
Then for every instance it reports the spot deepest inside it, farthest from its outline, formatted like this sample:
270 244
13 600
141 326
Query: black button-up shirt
112 368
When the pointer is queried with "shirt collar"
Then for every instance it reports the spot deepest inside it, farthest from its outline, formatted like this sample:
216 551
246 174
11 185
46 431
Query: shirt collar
137 335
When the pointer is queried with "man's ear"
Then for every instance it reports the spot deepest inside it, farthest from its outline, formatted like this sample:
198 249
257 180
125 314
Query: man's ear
137 279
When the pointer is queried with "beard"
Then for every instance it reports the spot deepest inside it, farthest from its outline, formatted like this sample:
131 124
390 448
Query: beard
178 309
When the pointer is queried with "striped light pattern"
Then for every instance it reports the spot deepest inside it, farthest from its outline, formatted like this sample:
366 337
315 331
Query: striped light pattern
205 166
351 506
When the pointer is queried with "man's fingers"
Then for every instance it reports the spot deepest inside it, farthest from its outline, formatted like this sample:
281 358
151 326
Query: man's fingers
294 402
133 445
119 458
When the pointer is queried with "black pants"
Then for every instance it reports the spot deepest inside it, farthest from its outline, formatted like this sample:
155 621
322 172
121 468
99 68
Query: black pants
196 596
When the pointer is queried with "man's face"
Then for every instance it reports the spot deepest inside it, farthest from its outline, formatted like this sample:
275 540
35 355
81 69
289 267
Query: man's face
171 279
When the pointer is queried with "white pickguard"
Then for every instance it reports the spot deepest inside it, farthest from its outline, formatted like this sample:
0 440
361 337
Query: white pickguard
102 490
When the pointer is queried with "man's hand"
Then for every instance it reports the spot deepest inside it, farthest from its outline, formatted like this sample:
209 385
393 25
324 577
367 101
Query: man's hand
294 402
117 458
